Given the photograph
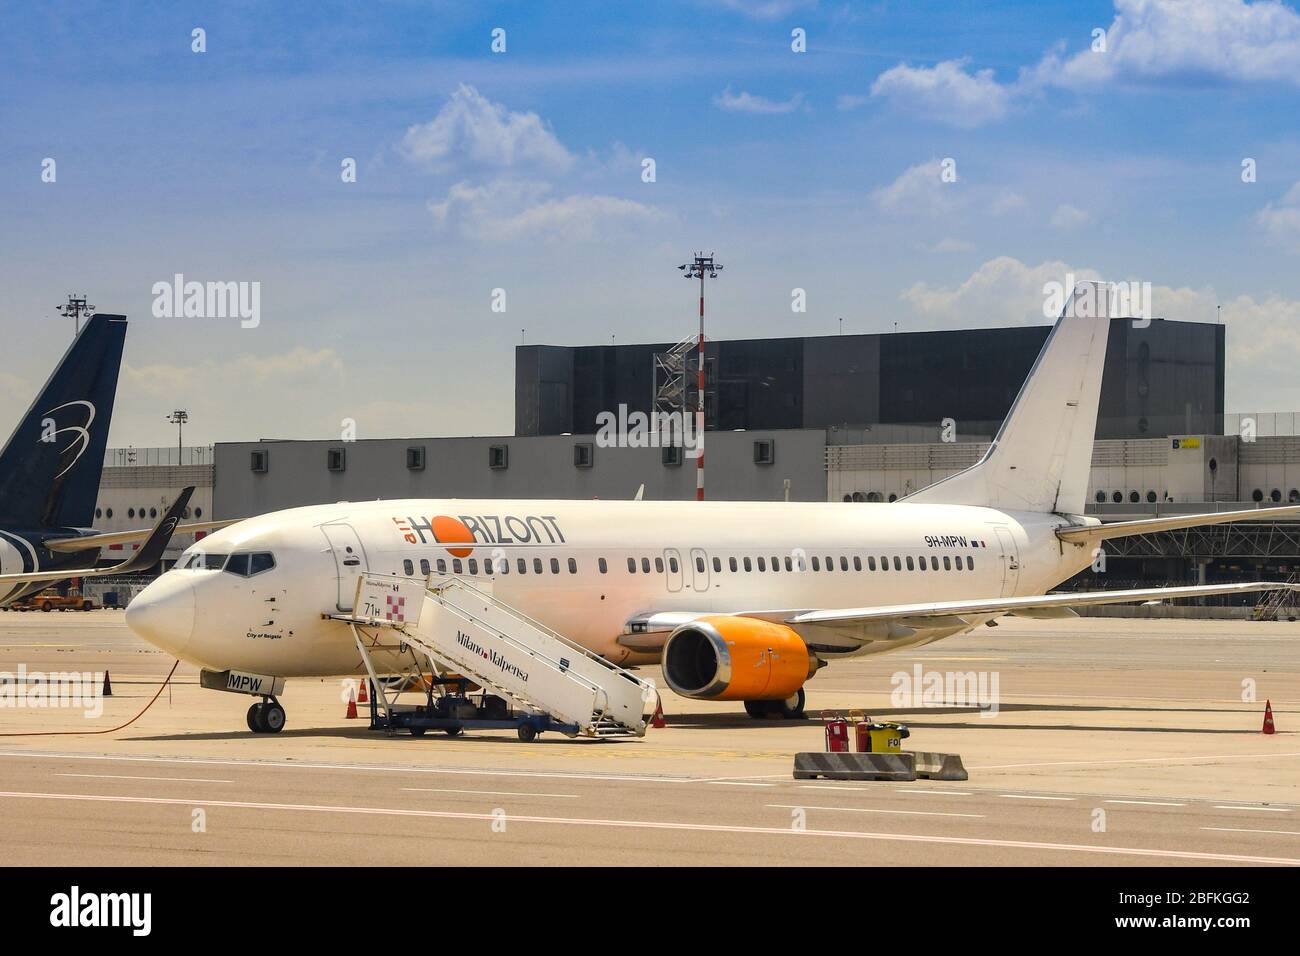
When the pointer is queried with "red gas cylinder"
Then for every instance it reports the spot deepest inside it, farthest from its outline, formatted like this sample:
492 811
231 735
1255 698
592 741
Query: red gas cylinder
862 736
837 735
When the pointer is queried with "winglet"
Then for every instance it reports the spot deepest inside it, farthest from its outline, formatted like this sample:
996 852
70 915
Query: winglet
151 551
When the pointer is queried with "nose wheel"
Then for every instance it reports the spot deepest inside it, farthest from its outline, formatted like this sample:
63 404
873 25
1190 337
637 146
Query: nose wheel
266 717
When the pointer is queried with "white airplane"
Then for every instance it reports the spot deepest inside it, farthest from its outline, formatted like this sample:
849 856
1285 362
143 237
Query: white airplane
738 601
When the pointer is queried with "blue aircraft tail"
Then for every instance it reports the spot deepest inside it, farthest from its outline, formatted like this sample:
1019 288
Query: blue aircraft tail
51 465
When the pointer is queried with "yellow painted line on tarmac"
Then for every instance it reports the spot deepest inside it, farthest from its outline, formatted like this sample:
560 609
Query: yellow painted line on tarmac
667 825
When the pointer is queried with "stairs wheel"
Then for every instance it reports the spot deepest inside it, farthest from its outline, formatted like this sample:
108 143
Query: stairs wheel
527 733
453 731
417 731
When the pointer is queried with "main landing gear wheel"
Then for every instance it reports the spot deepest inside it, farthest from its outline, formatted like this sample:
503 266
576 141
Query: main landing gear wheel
789 709
255 718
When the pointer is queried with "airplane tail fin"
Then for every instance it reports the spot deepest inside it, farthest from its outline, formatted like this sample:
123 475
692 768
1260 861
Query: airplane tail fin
1041 457
51 465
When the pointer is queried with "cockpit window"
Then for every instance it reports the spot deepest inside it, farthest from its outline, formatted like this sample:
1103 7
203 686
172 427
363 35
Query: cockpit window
246 565
210 562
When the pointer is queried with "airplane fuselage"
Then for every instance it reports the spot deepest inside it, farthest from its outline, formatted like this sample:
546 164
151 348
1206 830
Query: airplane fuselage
588 568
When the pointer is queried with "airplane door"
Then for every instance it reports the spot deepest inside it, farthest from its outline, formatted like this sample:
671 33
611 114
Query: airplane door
349 561
1010 561
673 569
699 569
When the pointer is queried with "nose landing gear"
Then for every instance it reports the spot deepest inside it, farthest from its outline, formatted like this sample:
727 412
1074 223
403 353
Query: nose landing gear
266 717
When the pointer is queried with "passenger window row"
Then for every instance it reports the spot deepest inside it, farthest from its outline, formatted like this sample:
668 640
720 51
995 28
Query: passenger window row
745 563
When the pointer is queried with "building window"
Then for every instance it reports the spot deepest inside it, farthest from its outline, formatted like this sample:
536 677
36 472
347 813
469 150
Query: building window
498 456
259 461
764 451
415 458
336 459
583 454
671 455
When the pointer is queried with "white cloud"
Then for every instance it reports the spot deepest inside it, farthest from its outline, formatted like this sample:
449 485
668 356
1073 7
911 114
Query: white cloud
1067 217
850 101
1157 40
470 131
506 210
1007 200
1263 334
946 93
918 189
743 102
766 9
952 244
1282 221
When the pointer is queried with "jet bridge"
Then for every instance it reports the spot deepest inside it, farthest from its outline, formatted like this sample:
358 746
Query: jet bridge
525 675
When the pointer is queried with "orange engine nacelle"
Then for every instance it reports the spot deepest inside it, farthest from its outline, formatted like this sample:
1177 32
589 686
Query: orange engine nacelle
736 658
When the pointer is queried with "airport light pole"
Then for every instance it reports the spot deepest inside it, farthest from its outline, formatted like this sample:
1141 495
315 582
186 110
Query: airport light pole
702 268
179 418
74 309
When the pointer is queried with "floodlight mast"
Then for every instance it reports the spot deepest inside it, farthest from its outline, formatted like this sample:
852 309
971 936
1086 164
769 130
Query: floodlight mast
704 267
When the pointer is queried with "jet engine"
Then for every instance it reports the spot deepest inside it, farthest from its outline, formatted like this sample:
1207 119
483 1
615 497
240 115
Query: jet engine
736 658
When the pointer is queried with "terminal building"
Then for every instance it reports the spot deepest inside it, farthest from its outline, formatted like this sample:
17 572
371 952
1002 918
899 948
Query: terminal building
849 419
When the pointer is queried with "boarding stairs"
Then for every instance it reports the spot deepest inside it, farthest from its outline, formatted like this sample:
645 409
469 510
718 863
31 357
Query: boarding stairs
1273 604
460 628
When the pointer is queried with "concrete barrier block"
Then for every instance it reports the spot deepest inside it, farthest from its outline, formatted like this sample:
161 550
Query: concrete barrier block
854 766
936 766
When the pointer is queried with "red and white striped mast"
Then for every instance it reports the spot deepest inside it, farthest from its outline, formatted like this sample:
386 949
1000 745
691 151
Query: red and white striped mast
702 268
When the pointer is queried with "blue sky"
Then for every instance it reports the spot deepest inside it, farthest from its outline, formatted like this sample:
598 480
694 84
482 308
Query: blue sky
522 171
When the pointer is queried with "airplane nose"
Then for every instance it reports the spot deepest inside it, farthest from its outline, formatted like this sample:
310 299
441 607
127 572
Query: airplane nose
163 613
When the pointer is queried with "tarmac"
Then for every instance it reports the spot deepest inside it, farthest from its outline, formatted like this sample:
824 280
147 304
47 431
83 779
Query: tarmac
1114 742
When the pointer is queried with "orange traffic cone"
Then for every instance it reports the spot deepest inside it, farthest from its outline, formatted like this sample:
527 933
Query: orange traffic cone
108 685
361 697
1268 718
352 706
657 721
